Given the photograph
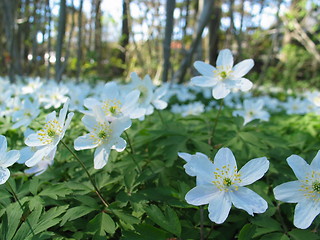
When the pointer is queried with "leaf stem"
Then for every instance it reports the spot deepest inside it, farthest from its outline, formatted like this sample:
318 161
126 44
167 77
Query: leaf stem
216 121
17 199
87 172
132 152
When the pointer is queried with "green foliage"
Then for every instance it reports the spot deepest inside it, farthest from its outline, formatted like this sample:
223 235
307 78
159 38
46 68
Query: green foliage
145 191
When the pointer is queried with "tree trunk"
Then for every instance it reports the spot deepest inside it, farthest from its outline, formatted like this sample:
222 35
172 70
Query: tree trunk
79 51
98 34
167 38
49 40
214 26
9 17
203 21
60 38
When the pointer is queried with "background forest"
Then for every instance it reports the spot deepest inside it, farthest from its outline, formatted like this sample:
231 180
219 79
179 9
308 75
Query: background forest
83 39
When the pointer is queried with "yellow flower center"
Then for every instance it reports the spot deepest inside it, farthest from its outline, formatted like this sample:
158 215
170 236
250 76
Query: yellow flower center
316 186
223 72
311 186
101 133
50 130
226 179
111 107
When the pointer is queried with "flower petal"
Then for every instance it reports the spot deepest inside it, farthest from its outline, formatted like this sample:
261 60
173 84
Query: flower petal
225 58
119 125
299 166
204 68
242 68
101 156
33 140
220 91
185 156
316 161
253 170
38 156
244 84
202 168
203 81
85 142
119 145
219 208
3 146
4 175
10 158
63 112
289 192
305 212
89 122
248 200
202 194
111 90
225 157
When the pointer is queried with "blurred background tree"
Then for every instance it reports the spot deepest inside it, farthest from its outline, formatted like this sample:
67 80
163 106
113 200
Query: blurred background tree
100 39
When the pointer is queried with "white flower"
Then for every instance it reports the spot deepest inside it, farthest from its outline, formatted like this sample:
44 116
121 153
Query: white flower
148 98
43 165
295 106
103 135
26 114
48 138
252 109
220 185
6 159
225 76
114 104
305 191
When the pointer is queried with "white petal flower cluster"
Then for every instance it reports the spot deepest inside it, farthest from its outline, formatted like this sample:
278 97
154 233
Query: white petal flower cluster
252 109
224 77
220 184
6 159
103 135
46 140
150 97
305 191
115 102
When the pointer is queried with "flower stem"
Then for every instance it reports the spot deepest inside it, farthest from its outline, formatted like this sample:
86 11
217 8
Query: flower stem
132 152
17 199
216 121
87 172
201 223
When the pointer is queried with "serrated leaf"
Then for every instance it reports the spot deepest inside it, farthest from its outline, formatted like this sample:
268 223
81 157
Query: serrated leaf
55 191
50 218
168 219
76 212
102 224
126 217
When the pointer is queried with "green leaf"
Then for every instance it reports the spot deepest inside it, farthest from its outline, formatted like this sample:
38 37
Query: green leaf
10 221
275 236
76 212
50 218
145 232
297 234
102 224
247 232
167 220
126 217
55 191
